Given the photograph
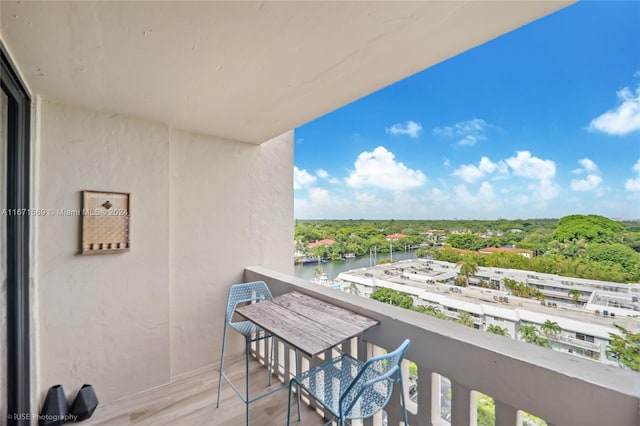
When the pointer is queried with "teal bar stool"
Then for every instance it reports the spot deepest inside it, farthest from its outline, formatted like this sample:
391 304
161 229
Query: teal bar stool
351 389
240 294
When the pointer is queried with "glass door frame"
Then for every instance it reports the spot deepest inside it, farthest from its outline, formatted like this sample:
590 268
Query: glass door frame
18 234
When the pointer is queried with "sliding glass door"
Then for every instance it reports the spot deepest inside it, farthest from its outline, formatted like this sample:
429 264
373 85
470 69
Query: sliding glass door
15 353
3 252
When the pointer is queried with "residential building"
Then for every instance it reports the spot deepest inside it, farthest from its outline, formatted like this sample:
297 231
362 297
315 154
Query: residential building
318 243
395 237
585 331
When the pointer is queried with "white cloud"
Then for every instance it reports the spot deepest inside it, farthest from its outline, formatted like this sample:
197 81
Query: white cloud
380 170
471 173
301 178
463 195
539 172
521 200
486 192
524 165
319 196
470 140
634 184
470 132
591 182
544 190
408 128
622 120
587 166
362 197
484 200
323 174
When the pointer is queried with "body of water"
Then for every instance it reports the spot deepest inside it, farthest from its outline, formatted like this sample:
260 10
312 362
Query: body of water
332 269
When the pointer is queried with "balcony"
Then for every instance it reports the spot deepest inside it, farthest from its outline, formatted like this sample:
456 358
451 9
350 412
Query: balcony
561 389
576 342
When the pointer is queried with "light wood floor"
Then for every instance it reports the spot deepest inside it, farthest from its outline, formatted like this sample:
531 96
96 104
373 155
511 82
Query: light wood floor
191 401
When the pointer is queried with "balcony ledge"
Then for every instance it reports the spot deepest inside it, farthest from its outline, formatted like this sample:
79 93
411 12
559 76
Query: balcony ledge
516 374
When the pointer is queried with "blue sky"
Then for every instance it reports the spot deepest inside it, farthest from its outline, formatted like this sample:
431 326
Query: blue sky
541 122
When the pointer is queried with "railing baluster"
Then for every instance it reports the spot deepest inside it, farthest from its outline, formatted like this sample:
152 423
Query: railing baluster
428 400
506 415
461 403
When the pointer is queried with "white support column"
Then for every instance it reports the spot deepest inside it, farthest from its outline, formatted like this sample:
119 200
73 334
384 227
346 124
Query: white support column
506 415
428 400
463 405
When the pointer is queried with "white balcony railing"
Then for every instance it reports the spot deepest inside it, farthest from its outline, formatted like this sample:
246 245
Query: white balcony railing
576 342
559 388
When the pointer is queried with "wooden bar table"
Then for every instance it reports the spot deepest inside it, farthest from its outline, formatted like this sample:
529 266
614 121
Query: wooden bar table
307 323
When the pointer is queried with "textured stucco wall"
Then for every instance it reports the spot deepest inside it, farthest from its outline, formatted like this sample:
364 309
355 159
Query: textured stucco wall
102 319
231 206
202 209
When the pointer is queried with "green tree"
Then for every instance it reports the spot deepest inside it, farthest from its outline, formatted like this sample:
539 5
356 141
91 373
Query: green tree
590 228
575 294
460 281
392 297
466 241
550 328
574 248
467 267
625 348
530 334
486 410
615 253
432 311
465 319
495 329
448 255
426 252
353 289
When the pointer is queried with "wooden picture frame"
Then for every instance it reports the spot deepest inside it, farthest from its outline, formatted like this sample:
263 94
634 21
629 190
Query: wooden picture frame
105 222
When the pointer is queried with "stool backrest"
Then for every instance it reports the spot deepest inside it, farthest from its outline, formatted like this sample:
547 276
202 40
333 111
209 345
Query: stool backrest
371 389
245 293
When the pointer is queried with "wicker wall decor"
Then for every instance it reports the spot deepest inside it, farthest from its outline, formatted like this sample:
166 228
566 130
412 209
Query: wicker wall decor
105 222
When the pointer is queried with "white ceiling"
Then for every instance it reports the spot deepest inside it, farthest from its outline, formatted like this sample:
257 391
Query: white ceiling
241 70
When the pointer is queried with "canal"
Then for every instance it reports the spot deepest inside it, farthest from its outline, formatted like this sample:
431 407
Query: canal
333 268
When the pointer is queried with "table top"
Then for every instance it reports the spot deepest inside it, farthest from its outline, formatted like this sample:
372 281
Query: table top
311 325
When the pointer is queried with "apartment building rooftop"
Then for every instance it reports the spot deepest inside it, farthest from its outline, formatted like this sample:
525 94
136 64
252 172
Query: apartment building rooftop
421 278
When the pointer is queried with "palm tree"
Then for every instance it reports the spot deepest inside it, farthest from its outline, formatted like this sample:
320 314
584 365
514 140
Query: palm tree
550 328
574 248
498 330
528 333
317 271
553 247
465 319
432 311
575 294
467 267
353 289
